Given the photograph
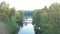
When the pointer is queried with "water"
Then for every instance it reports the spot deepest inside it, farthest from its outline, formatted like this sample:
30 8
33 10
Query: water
29 29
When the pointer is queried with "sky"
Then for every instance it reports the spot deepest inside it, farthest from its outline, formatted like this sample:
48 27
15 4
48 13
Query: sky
29 4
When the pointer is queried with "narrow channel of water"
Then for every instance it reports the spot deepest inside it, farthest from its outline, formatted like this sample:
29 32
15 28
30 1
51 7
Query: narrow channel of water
29 29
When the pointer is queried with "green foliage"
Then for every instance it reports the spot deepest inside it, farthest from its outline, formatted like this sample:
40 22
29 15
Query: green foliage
4 10
14 16
10 16
12 26
48 19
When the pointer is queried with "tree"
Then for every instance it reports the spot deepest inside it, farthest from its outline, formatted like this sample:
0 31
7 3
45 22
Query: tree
49 19
4 10
54 17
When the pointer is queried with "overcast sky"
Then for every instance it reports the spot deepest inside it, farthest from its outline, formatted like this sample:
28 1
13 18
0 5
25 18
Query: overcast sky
29 4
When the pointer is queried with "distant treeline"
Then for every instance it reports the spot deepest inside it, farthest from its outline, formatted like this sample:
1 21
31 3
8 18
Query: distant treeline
28 13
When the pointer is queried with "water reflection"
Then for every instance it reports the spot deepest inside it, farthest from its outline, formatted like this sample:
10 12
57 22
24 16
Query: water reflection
29 29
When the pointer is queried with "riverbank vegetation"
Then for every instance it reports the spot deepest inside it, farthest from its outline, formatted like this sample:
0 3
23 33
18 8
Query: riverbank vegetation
48 19
10 16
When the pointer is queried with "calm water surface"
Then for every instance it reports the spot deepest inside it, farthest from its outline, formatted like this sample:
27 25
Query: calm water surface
29 29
